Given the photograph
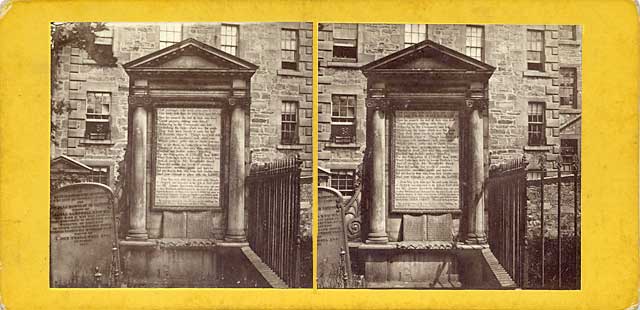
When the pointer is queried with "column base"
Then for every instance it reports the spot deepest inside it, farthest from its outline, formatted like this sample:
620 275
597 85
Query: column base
377 238
235 237
475 239
137 235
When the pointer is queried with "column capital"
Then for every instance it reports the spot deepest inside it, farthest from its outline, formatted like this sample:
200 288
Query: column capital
139 101
476 104
240 102
378 103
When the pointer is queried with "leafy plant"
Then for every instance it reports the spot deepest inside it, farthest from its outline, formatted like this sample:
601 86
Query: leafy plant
78 35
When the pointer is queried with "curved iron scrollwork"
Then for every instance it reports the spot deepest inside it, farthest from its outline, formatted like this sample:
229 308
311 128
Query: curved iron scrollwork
352 214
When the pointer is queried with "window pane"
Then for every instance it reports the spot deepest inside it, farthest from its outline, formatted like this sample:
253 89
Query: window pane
97 118
170 34
289 47
289 116
567 32
536 125
343 181
345 31
474 42
568 87
343 118
414 33
229 39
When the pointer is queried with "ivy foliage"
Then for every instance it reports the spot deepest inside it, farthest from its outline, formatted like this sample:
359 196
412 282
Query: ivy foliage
79 35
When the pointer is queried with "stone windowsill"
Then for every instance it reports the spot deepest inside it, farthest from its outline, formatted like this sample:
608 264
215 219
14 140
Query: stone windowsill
342 146
289 147
287 72
88 61
96 142
337 63
544 148
537 74
564 110
569 42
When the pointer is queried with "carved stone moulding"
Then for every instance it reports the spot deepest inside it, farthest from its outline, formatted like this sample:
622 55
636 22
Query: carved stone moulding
477 104
243 102
378 103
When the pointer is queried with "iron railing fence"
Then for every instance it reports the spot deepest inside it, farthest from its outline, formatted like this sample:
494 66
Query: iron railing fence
273 207
507 208
534 223
553 239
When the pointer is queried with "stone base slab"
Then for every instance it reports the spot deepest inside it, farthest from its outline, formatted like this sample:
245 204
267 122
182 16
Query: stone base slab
430 266
188 263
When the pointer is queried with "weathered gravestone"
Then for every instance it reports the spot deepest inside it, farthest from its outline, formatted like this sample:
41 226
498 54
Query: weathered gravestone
334 266
83 236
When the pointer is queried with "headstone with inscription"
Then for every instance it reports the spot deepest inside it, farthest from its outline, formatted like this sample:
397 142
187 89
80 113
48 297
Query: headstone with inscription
426 164
188 158
83 240
334 266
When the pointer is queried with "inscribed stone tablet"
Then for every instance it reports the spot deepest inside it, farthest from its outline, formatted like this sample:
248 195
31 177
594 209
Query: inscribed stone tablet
331 240
439 227
414 227
188 157
82 235
426 161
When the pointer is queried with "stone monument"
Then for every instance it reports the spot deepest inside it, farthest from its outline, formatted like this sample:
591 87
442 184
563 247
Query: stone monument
334 264
83 246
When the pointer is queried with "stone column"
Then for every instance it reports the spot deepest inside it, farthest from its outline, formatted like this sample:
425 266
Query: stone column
476 233
235 211
377 218
138 203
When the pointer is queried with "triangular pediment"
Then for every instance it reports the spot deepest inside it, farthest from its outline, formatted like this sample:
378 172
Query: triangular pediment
190 54
427 56
64 163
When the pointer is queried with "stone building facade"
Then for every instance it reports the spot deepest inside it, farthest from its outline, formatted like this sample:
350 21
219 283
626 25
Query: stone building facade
534 94
93 130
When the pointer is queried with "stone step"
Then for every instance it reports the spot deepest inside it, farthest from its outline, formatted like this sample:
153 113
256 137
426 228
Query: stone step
269 275
499 272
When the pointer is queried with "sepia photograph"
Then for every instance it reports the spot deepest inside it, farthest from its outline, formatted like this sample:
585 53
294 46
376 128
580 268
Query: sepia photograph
181 155
449 156
319 154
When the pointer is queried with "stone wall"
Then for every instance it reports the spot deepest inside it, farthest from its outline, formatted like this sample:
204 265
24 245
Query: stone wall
259 43
567 199
511 87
